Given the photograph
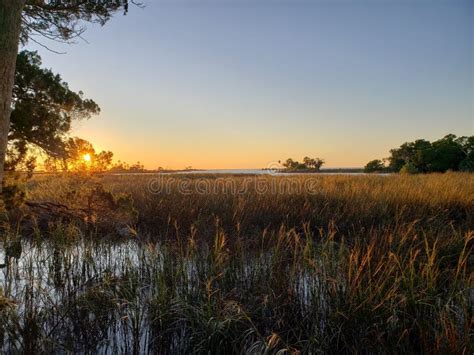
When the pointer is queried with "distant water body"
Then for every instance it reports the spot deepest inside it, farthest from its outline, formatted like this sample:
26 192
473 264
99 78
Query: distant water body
262 172
245 172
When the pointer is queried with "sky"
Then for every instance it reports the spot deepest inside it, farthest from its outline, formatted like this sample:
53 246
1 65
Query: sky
245 83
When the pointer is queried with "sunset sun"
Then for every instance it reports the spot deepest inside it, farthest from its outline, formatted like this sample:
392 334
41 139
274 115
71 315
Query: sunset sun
87 158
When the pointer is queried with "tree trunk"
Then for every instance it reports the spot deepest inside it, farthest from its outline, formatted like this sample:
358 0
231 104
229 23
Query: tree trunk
10 25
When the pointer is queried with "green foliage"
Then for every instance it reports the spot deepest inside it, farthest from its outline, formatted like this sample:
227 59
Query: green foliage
467 146
63 20
308 163
76 149
467 164
374 166
43 110
409 168
448 153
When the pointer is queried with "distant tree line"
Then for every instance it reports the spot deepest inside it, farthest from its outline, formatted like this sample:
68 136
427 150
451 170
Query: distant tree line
123 167
422 156
307 164
79 156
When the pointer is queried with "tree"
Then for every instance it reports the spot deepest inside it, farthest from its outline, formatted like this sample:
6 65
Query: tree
409 168
43 108
10 25
122 167
374 166
290 163
418 153
57 20
119 167
467 147
80 156
318 163
308 163
447 153
137 168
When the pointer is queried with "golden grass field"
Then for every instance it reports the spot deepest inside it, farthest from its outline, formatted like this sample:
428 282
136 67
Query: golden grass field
263 201
236 264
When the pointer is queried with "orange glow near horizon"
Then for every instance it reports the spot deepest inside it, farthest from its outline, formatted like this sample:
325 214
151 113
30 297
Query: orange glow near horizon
252 153
171 151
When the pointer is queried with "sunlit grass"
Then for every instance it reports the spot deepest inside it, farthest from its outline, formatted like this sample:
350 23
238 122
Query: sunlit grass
365 264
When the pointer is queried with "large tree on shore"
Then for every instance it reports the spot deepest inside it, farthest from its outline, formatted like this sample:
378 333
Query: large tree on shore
43 109
54 19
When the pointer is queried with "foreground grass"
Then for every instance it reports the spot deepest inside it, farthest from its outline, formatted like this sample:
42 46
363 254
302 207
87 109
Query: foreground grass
336 264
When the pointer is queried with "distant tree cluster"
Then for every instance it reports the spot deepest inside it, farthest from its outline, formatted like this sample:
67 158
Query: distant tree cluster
122 167
422 156
307 164
79 156
82 157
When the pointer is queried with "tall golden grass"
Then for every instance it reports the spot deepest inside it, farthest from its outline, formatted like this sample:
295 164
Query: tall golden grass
364 264
348 203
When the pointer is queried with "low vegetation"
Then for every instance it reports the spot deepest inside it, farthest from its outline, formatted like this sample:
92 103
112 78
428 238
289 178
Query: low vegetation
236 264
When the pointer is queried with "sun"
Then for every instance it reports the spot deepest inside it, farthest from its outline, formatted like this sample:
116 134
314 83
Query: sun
86 157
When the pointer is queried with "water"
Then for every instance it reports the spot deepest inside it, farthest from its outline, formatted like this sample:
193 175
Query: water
247 172
112 297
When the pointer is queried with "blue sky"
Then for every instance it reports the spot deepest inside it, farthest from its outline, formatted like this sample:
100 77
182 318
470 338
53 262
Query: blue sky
240 84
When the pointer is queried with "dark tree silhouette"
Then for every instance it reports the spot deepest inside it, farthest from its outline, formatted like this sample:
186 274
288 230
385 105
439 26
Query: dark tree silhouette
75 151
308 163
373 166
43 108
60 20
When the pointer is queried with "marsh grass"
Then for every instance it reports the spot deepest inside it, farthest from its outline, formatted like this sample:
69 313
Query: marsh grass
366 264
